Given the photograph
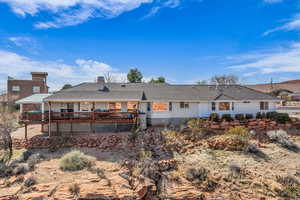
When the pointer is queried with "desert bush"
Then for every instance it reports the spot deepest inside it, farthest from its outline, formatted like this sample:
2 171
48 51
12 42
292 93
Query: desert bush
258 115
34 159
239 133
21 169
236 170
281 137
235 139
278 117
74 189
195 124
239 117
291 187
143 154
248 116
287 180
196 174
214 117
30 181
76 160
227 117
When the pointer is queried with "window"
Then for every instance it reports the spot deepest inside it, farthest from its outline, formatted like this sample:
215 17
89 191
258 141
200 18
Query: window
170 106
36 89
160 106
213 106
181 104
16 88
232 106
224 106
184 105
264 105
148 106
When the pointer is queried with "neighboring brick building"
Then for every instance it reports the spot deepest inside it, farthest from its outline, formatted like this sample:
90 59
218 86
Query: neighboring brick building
18 89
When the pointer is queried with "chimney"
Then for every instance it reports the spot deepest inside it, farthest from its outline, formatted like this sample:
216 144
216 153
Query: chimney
101 82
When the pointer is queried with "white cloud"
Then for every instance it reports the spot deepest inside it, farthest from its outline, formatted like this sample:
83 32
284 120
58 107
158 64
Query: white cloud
292 24
19 41
284 60
24 42
12 64
73 12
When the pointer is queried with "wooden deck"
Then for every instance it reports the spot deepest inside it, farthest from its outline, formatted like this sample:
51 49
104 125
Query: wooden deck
77 117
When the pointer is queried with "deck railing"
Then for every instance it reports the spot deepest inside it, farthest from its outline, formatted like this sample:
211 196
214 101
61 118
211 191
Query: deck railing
78 116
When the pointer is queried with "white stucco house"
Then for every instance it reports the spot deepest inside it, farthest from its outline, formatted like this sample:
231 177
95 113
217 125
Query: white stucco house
98 103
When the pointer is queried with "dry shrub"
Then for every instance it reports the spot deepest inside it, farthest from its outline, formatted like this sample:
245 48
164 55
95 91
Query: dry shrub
235 139
291 187
74 189
30 181
196 174
76 160
281 137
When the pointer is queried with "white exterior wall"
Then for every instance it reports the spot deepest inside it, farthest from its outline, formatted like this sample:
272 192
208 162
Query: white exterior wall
203 109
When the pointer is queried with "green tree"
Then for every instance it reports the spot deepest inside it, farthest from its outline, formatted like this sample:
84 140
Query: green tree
134 76
158 80
66 86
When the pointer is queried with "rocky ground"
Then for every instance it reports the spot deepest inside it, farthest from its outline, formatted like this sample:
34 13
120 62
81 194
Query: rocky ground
155 165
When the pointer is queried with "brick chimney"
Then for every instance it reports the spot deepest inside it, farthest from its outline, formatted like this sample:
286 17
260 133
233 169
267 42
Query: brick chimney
101 82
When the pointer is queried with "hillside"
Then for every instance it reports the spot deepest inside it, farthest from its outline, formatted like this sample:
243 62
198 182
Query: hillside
292 85
190 163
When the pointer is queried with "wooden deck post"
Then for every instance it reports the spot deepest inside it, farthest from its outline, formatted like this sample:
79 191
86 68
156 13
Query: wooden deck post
26 131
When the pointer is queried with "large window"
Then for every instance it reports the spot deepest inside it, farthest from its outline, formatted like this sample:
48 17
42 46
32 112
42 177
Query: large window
224 106
16 88
160 106
264 105
36 89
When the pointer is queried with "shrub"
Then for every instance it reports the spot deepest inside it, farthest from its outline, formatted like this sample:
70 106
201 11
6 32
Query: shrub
281 138
249 116
236 170
74 189
282 118
34 159
214 117
76 160
259 115
239 134
20 169
30 181
239 117
195 124
227 117
278 117
271 115
196 174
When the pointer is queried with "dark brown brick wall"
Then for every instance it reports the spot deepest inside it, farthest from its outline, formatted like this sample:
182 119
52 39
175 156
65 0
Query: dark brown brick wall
26 88
31 107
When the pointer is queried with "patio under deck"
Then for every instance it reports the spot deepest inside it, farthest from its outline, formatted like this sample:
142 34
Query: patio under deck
57 121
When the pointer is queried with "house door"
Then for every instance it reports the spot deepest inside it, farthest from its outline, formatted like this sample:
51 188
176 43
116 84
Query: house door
70 107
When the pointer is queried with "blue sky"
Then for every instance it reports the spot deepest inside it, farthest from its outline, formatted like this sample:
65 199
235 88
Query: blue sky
182 40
